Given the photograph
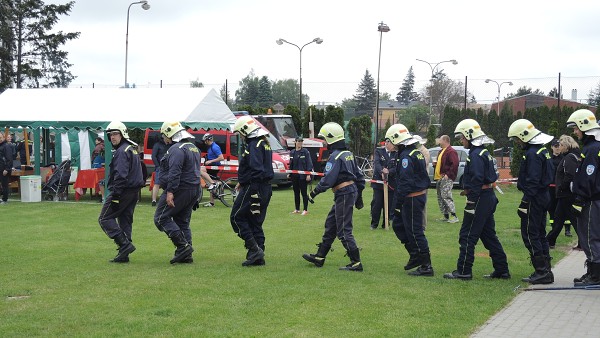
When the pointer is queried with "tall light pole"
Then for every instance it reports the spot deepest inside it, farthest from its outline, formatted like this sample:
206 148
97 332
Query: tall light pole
281 42
146 7
434 69
382 28
499 85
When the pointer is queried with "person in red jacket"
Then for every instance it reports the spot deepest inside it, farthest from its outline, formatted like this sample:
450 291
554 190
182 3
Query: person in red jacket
445 172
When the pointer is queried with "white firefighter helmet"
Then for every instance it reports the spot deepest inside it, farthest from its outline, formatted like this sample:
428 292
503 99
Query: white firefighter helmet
398 134
525 131
583 119
469 128
331 132
118 126
170 128
248 127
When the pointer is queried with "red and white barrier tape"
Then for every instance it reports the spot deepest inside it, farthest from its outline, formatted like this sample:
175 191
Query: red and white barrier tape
314 173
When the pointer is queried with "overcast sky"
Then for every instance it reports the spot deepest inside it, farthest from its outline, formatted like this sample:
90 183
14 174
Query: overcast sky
177 41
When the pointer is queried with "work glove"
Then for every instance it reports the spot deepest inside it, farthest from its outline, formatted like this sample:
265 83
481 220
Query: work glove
311 196
359 202
522 210
470 207
114 202
254 200
196 205
576 208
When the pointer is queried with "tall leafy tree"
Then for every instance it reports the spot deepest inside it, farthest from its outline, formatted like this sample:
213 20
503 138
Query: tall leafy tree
225 96
443 91
365 95
31 56
196 84
407 93
286 92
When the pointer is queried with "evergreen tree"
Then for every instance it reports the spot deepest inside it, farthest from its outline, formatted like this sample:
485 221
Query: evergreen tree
366 95
30 55
407 93
265 96
359 133
225 96
247 94
594 96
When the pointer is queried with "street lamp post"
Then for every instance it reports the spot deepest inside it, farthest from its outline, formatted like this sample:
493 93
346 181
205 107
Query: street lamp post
433 71
146 7
381 28
499 85
281 42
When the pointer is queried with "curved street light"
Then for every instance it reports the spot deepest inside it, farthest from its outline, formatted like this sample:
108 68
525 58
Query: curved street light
499 85
381 28
318 41
434 69
145 6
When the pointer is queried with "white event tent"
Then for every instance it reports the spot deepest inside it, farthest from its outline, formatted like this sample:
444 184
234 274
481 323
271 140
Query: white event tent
79 111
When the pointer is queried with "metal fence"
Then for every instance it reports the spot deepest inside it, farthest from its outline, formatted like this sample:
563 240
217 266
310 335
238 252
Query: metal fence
332 93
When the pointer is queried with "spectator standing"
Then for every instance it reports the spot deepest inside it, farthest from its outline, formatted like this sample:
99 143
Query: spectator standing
180 179
125 181
383 169
410 199
586 188
214 156
255 171
446 169
98 153
535 176
478 220
556 158
159 149
347 182
300 160
565 171
13 146
6 162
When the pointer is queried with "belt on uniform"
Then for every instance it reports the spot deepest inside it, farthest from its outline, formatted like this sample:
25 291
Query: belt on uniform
418 193
342 185
487 186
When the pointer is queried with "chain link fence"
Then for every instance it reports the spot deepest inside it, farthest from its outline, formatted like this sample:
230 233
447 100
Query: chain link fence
333 93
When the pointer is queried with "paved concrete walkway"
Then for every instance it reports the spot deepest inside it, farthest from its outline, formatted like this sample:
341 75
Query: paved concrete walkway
545 313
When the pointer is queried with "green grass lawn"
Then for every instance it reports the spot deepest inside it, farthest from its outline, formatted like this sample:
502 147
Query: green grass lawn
55 278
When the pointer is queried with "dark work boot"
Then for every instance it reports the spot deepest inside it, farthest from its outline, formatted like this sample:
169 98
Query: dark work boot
318 259
541 275
549 268
259 262
183 250
425 268
254 254
189 259
587 273
593 278
125 248
413 260
355 264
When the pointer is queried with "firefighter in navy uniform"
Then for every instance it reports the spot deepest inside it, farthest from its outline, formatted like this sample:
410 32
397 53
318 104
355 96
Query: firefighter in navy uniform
586 187
180 179
347 182
383 169
410 197
254 189
535 175
478 220
124 182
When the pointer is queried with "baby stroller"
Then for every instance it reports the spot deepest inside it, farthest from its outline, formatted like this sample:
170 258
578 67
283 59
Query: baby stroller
57 186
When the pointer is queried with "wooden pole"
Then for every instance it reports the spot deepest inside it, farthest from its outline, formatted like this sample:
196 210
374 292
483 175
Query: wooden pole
385 205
